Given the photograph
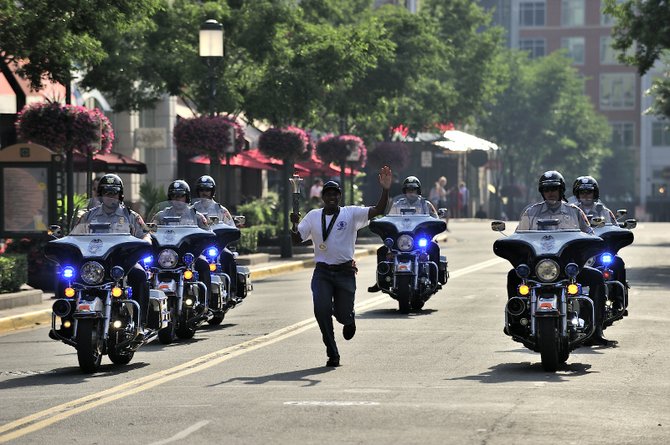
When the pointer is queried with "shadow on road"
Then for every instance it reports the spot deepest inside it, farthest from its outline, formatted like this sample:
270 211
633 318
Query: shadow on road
393 313
528 372
649 276
293 376
71 375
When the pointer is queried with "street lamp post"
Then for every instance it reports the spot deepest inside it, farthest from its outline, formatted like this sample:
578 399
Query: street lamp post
211 49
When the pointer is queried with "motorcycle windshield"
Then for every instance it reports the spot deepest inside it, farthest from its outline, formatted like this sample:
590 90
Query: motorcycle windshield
392 225
101 236
174 213
213 211
569 245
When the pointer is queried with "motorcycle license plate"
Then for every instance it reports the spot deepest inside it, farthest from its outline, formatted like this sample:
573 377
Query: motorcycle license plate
90 306
404 267
546 304
168 286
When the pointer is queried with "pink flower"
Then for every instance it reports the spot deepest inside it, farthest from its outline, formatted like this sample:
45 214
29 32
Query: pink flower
208 135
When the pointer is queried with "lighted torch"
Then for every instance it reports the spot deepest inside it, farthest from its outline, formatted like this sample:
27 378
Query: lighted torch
295 185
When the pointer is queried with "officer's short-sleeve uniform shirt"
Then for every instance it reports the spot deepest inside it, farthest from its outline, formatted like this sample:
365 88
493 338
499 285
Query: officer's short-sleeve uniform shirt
119 219
340 243
210 208
569 216
598 209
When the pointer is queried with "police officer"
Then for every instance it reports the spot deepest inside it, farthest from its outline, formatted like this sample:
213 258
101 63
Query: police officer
411 200
333 231
113 211
205 189
587 194
551 186
179 195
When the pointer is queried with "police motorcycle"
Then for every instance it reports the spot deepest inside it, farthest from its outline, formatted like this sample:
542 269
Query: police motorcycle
616 237
407 273
177 243
227 291
97 315
551 312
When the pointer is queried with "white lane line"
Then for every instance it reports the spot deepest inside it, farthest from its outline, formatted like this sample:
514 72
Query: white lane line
182 434
49 416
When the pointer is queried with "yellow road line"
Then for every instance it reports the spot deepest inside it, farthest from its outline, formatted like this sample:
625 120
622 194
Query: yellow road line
42 419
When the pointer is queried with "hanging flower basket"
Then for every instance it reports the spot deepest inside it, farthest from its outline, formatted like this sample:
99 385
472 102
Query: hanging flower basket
62 127
208 135
393 154
332 148
290 143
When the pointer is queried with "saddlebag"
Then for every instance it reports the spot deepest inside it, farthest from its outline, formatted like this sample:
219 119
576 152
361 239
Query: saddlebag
243 281
443 275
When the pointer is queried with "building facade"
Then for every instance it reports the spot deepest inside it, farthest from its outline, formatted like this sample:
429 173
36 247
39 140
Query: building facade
583 31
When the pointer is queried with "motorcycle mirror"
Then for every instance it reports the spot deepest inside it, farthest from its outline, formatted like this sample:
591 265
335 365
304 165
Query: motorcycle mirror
55 230
497 226
213 220
621 212
597 221
631 223
240 220
442 212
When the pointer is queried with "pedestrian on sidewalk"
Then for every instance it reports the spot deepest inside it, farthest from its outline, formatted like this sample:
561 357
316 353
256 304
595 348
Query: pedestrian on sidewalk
333 231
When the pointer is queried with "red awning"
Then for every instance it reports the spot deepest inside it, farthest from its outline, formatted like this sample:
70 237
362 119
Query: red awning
109 163
242 159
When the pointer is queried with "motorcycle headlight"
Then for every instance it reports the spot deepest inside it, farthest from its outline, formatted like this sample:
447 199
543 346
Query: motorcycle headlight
92 272
167 259
117 272
547 270
571 270
405 242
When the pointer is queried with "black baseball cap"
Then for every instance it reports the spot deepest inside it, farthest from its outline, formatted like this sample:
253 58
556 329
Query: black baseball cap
332 185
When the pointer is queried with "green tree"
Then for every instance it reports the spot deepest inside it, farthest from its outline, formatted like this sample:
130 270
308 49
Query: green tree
543 121
642 35
52 39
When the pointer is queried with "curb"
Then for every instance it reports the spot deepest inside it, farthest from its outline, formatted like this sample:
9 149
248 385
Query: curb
21 298
27 320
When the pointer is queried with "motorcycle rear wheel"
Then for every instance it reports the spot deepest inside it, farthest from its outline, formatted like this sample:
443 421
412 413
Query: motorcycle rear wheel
548 343
404 290
89 344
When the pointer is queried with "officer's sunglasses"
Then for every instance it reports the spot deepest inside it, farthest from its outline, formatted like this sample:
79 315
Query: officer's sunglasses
550 188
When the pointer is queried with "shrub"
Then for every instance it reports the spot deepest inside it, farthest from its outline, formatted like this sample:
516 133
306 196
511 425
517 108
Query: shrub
13 272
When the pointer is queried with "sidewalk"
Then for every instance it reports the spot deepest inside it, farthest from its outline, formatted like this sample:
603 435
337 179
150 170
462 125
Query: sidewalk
32 307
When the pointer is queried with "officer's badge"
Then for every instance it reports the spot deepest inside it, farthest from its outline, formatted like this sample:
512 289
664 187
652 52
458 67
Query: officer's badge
547 243
122 220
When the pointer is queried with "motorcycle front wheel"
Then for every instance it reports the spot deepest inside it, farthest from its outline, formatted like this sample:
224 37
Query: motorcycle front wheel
548 343
167 335
404 292
89 344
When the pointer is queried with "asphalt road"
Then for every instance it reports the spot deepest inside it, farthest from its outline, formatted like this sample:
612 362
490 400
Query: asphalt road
447 375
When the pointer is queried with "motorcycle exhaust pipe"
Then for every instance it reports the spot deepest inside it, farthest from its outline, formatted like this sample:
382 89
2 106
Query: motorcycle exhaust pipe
516 306
61 307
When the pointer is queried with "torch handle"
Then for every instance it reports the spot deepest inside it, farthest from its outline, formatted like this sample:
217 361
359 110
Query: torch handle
296 203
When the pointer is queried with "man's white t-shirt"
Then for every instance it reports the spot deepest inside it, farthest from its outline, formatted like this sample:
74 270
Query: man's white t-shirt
341 240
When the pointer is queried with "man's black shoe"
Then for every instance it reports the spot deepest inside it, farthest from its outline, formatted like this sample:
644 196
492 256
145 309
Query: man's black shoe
333 362
597 339
349 330
374 288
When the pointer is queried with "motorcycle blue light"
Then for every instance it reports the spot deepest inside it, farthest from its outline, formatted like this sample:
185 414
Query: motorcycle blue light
129 293
68 272
188 258
607 258
212 252
423 242
148 260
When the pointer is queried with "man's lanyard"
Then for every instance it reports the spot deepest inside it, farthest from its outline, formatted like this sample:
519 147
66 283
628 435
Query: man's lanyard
326 231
